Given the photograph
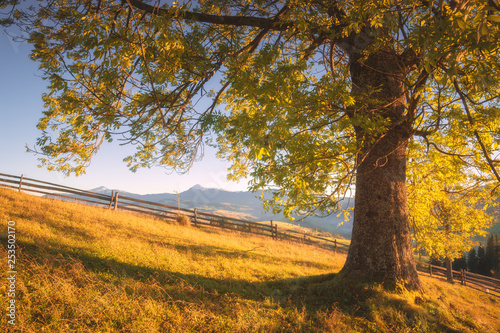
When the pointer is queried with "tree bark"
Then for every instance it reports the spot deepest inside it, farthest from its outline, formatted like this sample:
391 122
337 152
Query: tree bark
447 231
449 270
381 247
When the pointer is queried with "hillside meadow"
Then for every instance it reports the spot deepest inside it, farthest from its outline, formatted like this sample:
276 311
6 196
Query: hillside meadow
88 269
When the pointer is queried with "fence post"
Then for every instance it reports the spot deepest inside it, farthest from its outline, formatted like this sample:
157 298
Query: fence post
464 277
195 217
20 182
274 230
116 201
111 199
430 270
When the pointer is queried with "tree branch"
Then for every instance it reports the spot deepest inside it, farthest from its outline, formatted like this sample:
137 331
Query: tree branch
476 133
272 23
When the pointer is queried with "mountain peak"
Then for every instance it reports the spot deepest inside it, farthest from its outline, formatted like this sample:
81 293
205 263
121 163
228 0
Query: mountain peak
100 189
198 187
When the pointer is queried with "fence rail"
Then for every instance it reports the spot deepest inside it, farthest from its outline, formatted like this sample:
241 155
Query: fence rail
308 238
485 283
200 218
196 217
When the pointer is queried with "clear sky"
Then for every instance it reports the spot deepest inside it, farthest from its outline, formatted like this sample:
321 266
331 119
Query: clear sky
21 106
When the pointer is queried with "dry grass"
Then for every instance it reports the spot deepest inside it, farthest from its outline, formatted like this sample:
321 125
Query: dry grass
87 269
182 219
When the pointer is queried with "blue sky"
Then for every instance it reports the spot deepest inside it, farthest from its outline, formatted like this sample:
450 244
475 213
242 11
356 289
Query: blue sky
21 106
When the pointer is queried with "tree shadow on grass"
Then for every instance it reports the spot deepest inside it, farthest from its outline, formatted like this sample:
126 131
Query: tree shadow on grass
286 291
312 294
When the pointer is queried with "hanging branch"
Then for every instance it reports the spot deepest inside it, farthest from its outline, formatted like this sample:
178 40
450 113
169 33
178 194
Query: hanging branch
476 133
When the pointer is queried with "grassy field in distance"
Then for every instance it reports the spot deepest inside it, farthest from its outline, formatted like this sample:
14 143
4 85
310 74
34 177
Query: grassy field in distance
89 269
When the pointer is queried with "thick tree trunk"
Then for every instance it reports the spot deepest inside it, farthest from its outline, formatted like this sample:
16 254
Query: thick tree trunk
381 244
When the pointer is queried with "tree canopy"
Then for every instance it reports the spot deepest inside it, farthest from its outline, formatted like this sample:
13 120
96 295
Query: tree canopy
449 206
308 97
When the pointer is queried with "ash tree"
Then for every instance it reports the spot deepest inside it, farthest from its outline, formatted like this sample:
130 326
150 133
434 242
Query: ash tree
309 98
449 205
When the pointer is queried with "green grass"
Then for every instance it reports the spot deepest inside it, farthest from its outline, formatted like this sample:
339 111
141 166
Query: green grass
87 269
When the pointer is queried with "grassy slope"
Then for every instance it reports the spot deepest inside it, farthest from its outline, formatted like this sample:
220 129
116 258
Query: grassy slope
88 269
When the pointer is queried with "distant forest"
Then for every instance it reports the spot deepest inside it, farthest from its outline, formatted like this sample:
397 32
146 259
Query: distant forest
483 259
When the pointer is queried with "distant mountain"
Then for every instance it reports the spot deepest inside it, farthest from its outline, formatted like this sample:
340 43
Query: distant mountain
101 189
107 191
242 204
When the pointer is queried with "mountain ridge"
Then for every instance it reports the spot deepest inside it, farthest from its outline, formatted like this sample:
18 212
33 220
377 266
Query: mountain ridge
238 204
247 205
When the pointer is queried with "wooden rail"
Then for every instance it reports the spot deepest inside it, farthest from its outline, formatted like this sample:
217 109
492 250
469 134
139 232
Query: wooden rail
484 283
308 238
196 217
199 218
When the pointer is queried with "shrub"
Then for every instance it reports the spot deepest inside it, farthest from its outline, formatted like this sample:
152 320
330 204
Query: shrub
182 219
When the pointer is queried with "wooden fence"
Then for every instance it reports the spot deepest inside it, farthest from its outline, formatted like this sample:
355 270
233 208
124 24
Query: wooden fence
200 218
196 217
484 283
